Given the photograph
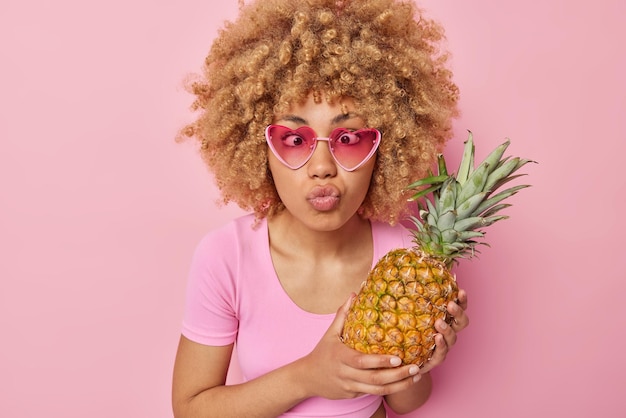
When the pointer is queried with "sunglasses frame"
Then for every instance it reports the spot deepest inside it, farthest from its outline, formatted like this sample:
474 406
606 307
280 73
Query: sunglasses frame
314 147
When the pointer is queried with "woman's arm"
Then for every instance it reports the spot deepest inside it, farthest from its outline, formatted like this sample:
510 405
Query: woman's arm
199 386
331 370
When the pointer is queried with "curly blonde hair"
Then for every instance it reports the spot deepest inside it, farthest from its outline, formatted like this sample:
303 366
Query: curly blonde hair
384 54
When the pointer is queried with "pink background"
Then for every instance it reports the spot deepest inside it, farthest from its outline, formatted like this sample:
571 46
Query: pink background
100 209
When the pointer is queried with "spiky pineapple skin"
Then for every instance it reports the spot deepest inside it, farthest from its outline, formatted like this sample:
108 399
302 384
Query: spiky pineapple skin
396 309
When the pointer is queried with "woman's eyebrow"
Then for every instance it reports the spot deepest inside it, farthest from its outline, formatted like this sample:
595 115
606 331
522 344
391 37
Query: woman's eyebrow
293 118
343 117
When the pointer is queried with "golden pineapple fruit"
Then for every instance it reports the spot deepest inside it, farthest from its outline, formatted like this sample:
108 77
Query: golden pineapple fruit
408 289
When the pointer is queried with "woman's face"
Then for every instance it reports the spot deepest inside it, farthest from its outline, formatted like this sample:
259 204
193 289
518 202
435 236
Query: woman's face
321 194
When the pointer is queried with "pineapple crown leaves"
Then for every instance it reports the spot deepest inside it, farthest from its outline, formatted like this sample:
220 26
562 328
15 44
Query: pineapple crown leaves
453 209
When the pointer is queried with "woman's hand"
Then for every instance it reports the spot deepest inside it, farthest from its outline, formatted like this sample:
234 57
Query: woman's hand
448 333
336 371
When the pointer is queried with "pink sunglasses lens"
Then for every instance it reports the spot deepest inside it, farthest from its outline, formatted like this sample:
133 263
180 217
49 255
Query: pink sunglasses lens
293 147
353 148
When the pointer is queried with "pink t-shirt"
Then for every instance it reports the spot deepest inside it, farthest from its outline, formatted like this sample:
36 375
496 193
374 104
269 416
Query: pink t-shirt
234 295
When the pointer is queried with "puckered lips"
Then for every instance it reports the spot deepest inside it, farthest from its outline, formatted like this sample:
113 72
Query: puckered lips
323 198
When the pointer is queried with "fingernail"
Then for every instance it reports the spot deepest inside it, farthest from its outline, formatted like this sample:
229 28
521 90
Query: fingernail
443 325
417 378
395 361
414 370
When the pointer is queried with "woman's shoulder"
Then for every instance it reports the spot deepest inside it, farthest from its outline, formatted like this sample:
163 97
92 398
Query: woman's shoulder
387 237
230 236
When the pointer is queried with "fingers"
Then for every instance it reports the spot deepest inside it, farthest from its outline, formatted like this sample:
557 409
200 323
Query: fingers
440 353
387 365
373 361
460 320
337 326
447 332
385 380
462 299
345 308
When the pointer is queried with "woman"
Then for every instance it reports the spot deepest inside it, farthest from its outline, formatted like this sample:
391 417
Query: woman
314 116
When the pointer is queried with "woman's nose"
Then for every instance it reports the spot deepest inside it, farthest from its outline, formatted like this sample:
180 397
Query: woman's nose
322 164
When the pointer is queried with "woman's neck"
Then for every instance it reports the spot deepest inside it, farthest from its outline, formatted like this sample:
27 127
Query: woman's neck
288 233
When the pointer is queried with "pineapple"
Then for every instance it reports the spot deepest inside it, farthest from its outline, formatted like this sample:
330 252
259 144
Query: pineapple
408 289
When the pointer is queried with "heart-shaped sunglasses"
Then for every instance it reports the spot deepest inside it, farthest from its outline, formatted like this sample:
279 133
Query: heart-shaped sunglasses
295 147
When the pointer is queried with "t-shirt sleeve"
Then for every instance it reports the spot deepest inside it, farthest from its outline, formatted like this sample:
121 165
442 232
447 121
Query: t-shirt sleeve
210 314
